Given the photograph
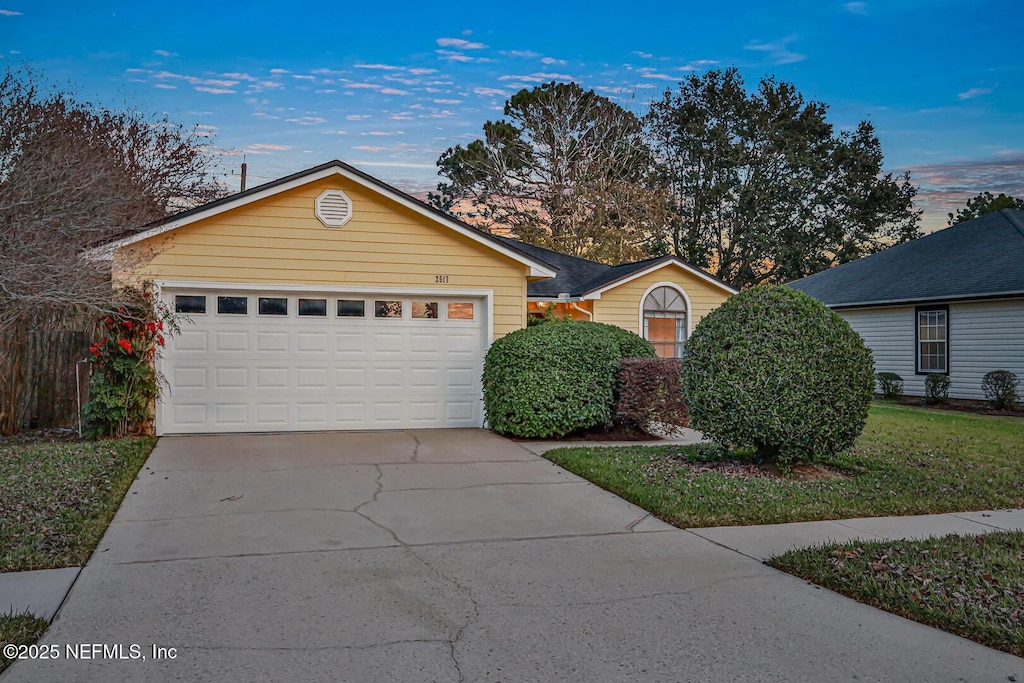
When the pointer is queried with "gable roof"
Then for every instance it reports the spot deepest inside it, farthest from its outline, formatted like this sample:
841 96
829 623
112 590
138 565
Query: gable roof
979 258
538 267
582 278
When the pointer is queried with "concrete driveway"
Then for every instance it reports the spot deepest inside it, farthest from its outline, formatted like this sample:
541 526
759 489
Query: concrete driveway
447 556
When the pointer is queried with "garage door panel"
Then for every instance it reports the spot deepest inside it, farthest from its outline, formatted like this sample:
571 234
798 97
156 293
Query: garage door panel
231 341
271 378
350 342
350 378
424 343
424 377
314 413
311 377
189 414
312 341
351 414
424 411
231 413
231 378
272 341
461 378
387 378
459 411
388 413
189 378
271 414
288 372
462 344
189 340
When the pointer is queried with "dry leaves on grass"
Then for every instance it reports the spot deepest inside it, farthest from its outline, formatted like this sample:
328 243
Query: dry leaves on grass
662 468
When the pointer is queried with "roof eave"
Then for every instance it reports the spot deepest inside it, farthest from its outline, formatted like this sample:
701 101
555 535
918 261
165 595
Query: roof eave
925 300
595 292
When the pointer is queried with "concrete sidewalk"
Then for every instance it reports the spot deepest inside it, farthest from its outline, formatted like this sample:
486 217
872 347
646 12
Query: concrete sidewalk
38 592
766 540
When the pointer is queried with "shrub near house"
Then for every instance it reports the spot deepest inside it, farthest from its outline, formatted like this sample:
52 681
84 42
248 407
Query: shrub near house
552 379
124 382
650 391
775 369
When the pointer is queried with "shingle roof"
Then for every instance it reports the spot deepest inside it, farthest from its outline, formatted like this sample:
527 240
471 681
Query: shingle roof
983 257
573 271
578 276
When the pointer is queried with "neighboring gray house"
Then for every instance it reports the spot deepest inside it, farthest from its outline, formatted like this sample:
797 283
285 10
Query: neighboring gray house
950 302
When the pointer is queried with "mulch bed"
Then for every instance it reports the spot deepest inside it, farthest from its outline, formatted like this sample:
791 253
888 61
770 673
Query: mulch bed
616 432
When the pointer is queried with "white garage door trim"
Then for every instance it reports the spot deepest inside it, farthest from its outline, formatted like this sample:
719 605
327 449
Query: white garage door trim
167 289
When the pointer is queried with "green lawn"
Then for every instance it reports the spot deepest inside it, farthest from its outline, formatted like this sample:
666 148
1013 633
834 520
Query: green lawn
908 461
59 496
969 585
19 629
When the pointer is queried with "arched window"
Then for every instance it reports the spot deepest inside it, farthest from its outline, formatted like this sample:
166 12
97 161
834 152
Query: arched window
665 321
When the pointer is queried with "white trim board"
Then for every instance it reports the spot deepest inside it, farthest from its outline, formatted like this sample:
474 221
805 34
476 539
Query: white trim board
596 293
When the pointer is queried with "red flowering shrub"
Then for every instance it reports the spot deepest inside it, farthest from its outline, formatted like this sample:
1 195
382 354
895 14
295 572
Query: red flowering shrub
649 391
124 383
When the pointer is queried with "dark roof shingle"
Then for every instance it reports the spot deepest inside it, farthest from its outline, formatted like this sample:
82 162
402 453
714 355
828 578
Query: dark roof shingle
983 257
573 271
578 276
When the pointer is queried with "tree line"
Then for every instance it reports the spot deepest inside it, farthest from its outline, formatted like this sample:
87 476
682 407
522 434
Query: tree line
73 174
750 185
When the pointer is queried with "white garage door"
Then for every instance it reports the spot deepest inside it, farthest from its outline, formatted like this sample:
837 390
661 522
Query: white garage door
248 361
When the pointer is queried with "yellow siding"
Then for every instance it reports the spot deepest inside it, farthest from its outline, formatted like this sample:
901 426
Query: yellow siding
621 305
280 240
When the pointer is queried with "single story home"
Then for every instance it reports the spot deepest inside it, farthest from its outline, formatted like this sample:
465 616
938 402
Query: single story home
951 302
328 300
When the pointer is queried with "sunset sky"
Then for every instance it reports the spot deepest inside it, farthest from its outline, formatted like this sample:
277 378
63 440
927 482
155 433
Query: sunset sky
387 86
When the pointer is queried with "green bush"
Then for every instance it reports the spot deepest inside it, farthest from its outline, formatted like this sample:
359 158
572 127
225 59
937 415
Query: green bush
890 385
936 388
1000 387
549 380
776 369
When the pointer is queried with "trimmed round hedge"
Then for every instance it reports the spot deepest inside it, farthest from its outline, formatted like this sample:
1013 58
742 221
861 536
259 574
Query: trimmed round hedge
776 369
549 380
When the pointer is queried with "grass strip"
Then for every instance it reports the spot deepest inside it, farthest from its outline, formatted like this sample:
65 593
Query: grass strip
972 586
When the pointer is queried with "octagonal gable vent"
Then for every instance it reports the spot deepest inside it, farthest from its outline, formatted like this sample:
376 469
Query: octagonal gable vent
333 208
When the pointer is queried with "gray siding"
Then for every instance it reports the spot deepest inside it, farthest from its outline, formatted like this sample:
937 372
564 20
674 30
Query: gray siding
983 336
889 333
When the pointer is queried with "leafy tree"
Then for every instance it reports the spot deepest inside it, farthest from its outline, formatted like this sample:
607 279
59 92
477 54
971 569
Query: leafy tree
763 189
73 174
985 203
566 169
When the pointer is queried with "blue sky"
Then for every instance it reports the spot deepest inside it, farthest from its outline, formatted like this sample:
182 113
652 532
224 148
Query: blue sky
389 86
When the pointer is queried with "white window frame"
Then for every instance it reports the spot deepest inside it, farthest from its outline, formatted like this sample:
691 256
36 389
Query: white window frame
687 326
920 311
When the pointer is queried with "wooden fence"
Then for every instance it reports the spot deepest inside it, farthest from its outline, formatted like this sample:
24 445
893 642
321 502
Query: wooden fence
39 388
51 388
